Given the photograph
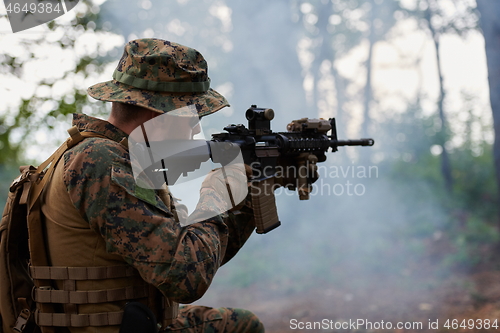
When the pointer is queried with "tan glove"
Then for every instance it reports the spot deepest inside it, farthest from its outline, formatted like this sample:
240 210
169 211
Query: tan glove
230 182
222 190
292 171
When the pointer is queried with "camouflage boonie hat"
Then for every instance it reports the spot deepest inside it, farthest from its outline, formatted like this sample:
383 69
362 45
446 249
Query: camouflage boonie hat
161 76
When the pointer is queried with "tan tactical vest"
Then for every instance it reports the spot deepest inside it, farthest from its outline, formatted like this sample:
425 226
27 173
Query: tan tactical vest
87 287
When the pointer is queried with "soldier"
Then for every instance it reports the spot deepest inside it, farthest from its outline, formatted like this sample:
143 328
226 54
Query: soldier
121 241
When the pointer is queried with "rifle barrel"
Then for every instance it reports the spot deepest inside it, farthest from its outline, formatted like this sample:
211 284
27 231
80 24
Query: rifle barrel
360 142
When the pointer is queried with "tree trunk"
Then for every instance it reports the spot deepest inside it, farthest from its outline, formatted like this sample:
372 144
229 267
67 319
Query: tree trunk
445 158
368 91
340 92
324 51
490 12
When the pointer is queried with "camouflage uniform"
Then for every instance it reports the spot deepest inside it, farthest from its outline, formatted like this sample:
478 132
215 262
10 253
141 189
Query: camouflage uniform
135 223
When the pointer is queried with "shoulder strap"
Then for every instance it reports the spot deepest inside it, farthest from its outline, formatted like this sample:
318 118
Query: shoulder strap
39 179
39 183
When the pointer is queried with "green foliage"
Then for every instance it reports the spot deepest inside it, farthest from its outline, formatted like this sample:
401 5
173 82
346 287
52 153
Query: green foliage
473 240
475 186
432 14
7 175
469 221
45 98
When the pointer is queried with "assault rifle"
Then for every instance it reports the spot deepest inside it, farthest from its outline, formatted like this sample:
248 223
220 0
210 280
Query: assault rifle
273 154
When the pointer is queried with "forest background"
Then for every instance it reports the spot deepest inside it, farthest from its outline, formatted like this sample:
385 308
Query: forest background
407 230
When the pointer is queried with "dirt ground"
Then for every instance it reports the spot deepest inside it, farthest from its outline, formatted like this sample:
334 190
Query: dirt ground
475 298
432 292
420 299
466 300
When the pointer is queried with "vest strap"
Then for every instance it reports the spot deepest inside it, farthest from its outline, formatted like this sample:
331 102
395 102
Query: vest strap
81 273
170 312
78 320
76 137
42 295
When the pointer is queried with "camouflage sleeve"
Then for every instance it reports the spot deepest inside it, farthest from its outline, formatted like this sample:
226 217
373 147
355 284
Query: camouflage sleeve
136 224
240 225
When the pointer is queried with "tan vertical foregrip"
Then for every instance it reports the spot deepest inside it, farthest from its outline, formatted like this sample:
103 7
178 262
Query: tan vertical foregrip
264 205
